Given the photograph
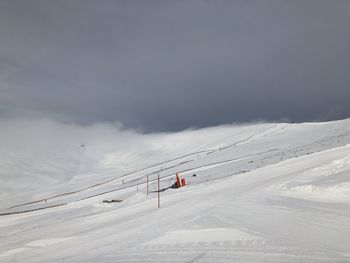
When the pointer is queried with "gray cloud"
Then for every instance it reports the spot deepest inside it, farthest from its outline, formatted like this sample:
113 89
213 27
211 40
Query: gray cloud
168 65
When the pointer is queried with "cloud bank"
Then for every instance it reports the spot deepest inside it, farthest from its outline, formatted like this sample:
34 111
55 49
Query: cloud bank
169 65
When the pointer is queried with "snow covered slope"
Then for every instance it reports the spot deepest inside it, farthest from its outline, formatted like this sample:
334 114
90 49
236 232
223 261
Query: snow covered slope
262 193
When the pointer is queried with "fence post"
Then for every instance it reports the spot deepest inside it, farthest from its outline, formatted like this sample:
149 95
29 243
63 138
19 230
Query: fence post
158 193
147 184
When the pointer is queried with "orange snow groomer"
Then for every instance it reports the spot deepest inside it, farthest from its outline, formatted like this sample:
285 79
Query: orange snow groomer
178 184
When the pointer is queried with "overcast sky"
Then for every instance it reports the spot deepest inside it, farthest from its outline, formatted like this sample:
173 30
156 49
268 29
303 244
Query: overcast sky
169 65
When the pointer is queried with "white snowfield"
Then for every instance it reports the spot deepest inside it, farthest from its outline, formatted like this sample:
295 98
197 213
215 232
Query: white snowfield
255 193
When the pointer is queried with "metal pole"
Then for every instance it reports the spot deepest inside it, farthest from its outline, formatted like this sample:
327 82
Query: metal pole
158 193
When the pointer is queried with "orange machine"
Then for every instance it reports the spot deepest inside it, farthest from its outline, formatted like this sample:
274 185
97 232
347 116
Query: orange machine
183 182
178 185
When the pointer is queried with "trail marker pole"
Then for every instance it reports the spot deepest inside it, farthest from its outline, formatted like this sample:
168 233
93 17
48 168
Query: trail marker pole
147 184
158 193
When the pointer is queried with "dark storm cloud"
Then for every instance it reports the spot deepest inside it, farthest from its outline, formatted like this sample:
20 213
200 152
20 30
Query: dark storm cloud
167 65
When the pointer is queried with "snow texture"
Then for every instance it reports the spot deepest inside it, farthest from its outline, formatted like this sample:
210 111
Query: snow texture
261 193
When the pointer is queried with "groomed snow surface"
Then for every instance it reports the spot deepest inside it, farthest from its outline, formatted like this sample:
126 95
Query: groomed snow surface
261 193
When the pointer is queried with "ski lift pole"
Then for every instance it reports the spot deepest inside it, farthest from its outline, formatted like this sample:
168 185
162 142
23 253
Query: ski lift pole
158 193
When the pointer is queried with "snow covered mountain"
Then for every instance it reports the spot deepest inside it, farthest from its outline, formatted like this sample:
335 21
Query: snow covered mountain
268 192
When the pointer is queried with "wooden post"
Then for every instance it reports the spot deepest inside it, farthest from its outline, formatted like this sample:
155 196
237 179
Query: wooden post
147 184
158 193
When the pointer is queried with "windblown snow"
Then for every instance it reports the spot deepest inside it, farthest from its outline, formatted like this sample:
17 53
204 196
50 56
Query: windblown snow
268 192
